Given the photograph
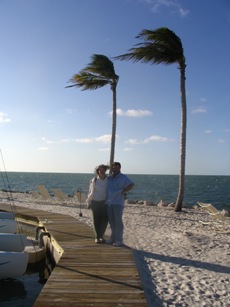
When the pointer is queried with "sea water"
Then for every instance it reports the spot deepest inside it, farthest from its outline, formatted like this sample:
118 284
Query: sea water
23 290
210 189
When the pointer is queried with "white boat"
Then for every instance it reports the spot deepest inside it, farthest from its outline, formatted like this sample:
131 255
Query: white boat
16 252
13 258
8 223
13 264
8 226
7 215
13 242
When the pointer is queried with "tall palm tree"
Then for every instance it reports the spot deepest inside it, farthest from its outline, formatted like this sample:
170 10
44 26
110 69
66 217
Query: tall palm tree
164 46
98 73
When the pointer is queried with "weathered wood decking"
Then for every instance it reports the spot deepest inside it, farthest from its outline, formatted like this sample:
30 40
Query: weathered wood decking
87 274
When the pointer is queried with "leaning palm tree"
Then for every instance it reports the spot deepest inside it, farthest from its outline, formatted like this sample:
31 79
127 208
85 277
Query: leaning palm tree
164 46
96 74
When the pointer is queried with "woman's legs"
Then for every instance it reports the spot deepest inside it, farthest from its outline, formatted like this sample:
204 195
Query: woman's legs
96 218
103 220
100 218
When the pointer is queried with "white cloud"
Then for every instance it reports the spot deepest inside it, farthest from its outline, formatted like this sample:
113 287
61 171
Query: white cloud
133 142
156 5
226 130
183 12
4 119
156 138
104 138
70 110
203 99
43 148
100 139
152 138
128 149
208 131
84 140
199 110
221 141
64 141
134 113
47 141
104 149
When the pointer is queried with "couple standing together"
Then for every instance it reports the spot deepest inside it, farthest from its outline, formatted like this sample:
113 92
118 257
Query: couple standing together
106 199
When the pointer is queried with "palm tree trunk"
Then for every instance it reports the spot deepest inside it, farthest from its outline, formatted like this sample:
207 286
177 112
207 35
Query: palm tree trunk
180 195
114 124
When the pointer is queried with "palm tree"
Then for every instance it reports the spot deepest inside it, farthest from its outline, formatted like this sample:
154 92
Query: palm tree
96 74
164 46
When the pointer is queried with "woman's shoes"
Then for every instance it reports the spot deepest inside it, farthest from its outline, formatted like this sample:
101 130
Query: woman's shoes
110 241
100 240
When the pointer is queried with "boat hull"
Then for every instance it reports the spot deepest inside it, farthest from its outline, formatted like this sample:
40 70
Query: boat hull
8 226
7 215
13 264
20 243
10 242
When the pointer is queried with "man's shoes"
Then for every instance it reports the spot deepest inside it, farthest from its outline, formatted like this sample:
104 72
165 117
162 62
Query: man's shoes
97 240
118 244
110 241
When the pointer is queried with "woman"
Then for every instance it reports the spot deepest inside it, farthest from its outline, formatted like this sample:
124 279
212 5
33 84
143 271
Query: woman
96 201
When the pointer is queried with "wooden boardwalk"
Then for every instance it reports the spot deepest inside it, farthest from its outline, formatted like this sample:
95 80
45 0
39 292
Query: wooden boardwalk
87 274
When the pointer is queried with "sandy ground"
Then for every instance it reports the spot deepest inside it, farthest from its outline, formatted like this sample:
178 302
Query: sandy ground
181 261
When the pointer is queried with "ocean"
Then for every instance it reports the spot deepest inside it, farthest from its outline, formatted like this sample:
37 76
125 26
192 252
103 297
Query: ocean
208 189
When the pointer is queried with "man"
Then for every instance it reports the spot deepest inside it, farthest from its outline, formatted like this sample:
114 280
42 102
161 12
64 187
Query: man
118 185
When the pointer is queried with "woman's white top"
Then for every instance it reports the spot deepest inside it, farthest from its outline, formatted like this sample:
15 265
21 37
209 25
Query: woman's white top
98 189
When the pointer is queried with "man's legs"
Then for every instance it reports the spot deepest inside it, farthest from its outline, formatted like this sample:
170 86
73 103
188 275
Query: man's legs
115 214
111 223
119 226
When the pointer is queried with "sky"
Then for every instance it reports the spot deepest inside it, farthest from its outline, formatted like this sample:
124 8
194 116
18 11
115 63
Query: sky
46 127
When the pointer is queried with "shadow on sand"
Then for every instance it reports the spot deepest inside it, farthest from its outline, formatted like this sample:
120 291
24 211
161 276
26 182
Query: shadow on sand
147 280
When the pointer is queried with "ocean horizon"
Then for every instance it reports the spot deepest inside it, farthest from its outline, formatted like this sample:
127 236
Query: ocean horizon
204 188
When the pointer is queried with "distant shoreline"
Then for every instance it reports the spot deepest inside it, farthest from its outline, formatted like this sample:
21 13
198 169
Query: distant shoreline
90 173
151 188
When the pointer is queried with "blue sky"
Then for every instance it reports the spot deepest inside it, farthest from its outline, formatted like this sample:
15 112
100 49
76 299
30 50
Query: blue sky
45 127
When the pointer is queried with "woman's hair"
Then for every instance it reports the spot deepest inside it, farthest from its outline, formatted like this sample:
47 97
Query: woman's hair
106 167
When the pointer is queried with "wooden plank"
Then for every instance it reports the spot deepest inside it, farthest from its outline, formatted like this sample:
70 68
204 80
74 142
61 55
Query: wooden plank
87 274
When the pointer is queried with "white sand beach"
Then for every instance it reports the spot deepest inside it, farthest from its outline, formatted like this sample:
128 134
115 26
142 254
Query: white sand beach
181 261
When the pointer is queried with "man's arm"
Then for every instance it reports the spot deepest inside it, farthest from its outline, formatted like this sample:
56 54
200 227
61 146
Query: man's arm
128 188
